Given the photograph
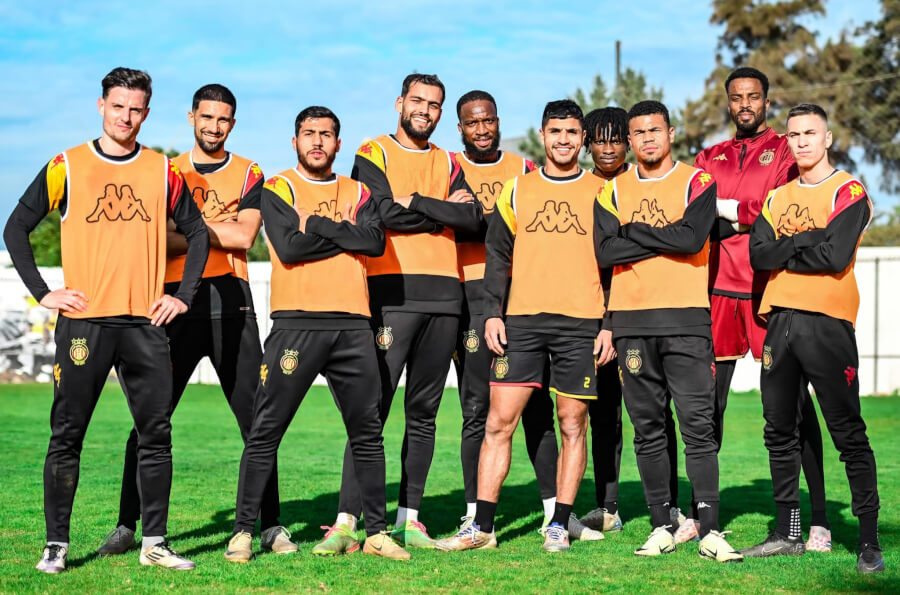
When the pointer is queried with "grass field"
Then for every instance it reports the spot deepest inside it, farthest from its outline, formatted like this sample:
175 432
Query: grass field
207 451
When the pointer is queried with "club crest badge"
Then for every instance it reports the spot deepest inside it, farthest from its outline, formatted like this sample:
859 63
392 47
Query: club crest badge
384 338
501 367
289 361
471 341
633 361
79 351
767 157
767 358
263 374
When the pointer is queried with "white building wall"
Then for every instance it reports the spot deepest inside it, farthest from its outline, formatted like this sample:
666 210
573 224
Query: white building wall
877 327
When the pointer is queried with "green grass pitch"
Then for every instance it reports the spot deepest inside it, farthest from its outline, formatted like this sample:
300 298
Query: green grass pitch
207 452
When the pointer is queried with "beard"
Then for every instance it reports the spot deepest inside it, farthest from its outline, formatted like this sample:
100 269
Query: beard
317 170
414 133
209 147
752 126
476 153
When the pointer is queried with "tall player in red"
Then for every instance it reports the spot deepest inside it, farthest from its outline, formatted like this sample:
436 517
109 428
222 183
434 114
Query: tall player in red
746 167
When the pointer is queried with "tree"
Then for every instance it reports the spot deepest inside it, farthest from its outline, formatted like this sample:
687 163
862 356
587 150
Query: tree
632 88
874 115
44 241
259 251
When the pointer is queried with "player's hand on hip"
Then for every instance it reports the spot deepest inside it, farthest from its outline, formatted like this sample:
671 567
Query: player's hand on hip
461 195
495 334
65 300
165 309
604 352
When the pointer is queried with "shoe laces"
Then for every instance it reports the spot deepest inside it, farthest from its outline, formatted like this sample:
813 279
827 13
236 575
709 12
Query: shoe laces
284 531
164 546
555 532
329 530
53 551
468 531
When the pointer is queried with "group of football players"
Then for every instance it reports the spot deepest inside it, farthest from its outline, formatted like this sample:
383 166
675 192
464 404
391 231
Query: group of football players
641 283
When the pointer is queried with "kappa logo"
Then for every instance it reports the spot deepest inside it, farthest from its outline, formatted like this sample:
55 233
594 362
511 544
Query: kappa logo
721 157
501 367
850 374
212 206
263 374
633 361
471 340
767 157
650 213
856 190
704 178
487 195
79 351
57 374
767 357
118 204
556 218
289 361
384 338
329 210
795 220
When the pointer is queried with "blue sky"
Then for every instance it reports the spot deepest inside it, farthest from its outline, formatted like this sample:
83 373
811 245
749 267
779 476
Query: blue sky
351 57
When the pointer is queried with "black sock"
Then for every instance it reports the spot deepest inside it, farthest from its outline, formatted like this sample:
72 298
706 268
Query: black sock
820 519
708 517
659 515
788 521
561 515
868 528
611 507
484 515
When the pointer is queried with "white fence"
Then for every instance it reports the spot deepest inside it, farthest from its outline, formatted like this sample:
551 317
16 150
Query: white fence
877 327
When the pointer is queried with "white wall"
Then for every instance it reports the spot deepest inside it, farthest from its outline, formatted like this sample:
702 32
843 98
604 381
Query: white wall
877 327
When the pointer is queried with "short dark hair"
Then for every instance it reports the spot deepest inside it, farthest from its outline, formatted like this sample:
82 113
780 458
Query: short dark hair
214 92
475 95
431 80
648 107
128 78
317 111
606 123
560 110
745 72
805 109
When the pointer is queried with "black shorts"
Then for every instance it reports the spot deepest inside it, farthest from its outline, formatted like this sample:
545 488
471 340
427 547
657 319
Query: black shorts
572 372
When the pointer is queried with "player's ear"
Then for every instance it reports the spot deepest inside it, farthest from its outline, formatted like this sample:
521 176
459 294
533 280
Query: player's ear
671 134
398 105
829 138
459 127
337 146
191 118
294 143
100 104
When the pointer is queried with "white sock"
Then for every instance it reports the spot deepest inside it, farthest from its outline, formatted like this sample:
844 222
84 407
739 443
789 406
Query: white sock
149 541
64 544
470 509
549 507
344 518
406 514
